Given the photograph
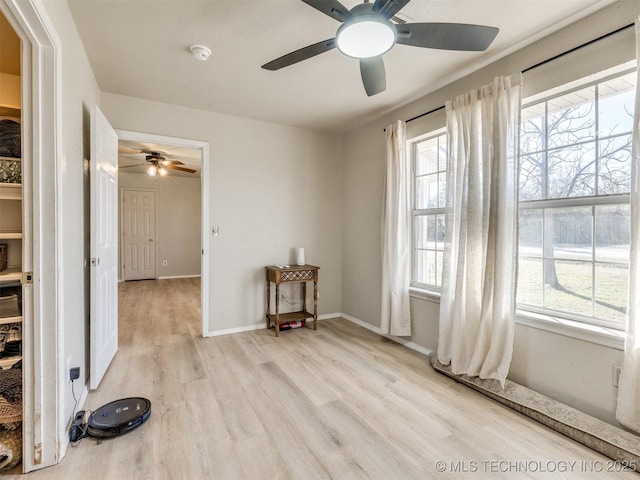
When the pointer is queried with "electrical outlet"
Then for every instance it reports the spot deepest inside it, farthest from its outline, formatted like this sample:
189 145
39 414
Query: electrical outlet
164 263
617 371
74 373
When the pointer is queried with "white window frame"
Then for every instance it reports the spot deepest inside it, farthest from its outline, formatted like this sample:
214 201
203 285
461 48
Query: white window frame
411 147
533 315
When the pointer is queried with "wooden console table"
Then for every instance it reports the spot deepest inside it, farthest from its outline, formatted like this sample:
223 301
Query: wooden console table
290 274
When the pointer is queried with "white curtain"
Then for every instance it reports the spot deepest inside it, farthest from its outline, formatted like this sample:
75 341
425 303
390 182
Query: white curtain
628 411
396 236
477 306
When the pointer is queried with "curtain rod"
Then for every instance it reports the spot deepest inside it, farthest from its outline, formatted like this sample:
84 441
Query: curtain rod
586 44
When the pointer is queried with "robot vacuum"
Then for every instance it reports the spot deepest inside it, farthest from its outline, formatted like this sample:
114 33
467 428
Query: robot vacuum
118 417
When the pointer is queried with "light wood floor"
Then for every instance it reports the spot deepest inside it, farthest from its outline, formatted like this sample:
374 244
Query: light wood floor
339 402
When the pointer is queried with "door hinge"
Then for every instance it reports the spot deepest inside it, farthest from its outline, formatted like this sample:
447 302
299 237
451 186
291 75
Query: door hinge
27 278
95 261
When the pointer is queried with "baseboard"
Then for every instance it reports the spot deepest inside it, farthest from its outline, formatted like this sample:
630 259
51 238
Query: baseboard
403 341
178 276
229 331
258 326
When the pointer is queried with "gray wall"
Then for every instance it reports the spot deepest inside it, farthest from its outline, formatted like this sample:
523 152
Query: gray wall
573 371
178 228
272 188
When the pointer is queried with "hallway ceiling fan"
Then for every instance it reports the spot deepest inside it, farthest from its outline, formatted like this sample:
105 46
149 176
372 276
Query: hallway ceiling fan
367 32
156 162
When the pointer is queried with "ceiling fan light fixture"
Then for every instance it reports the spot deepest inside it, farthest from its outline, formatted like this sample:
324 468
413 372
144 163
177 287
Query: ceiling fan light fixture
366 36
163 171
152 170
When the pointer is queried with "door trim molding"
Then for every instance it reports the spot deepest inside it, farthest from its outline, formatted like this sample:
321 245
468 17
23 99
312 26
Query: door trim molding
43 396
204 202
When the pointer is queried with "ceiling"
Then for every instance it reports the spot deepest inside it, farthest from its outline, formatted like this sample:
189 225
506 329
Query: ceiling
136 162
141 49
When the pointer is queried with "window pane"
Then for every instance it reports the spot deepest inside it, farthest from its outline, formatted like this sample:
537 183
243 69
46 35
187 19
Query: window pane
530 233
568 233
614 174
530 281
571 118
420 229
442 152
427 192
439 266
440 231
572 171
613 234
427 156
617 98
426 267
611 292
532 129
572 292
531 179
430 232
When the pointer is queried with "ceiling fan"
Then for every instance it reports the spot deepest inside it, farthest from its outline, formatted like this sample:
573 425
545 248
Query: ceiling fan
367 32
156 162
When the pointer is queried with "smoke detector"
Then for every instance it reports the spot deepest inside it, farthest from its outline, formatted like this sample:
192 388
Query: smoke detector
200 52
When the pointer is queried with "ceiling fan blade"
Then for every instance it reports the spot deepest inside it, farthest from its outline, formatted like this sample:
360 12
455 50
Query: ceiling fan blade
446 36
301 54
373 75
388 8
123 149
131 166
166 163
333 8
182 169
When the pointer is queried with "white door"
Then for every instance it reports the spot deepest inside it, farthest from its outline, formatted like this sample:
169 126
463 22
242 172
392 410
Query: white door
104 246
138 234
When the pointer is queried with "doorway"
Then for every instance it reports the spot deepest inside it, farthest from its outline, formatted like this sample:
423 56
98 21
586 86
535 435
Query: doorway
43 420
181 199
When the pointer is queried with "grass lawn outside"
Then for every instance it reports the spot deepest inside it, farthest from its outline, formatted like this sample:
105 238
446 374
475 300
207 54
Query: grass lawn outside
576 294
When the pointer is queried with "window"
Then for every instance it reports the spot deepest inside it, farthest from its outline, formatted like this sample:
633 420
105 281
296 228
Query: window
429 160
575 165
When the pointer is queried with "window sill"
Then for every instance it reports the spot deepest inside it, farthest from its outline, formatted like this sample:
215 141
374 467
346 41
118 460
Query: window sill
424 294
608 337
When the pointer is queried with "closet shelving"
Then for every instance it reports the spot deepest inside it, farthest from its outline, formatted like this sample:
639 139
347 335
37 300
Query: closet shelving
11 234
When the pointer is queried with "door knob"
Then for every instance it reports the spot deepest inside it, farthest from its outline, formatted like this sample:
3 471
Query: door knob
151 239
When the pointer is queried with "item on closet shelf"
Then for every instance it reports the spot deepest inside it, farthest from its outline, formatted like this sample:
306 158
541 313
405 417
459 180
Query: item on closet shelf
13 339
3 256
9 307
10 139
300 256
10 171
10 448
15 332
11 416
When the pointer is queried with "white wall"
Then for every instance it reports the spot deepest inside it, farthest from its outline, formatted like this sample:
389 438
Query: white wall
178 239
272 188
79 90
573 371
